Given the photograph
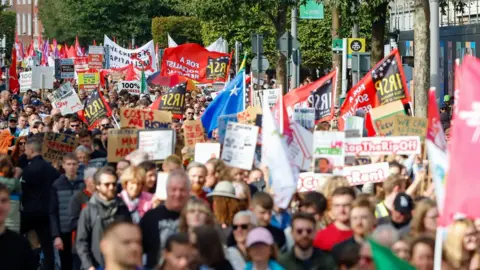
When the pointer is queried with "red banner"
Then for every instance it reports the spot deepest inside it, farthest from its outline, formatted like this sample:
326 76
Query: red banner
197 63
435 131
462 184
319 94
383 84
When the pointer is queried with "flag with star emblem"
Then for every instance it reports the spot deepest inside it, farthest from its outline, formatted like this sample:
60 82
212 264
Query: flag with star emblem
462 184
383 84
228 101
174 99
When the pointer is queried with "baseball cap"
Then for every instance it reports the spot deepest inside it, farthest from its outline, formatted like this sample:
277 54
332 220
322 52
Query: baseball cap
403 203
12 117
259 235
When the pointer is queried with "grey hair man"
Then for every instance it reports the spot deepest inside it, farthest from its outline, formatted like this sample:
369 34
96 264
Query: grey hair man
243 222
162 221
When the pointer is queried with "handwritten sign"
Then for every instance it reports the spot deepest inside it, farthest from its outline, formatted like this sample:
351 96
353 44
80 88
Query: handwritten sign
372 173
144 119
55 145
193 132
158 143
381 117
385 126
376 146
410 126
239 147
249 116
65 99
206 151
121 142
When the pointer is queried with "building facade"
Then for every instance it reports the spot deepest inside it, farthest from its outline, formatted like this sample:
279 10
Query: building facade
28 24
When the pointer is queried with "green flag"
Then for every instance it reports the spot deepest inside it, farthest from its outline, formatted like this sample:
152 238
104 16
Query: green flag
143 84
385 259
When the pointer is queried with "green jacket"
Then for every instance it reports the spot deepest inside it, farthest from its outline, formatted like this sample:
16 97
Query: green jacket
319 260
15 189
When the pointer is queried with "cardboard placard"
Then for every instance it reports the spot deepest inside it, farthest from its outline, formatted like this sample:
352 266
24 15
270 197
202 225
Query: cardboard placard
410 126
239 147
382 117
158 143
376 146
193 132
144 118
121 142
328 151
55 145
206 151
249 116
372 173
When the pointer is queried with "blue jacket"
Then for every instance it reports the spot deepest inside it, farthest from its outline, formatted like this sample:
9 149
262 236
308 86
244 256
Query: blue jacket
62 191
272 265
283 223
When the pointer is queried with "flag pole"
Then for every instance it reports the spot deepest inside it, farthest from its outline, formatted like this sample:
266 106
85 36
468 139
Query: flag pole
437 261
116 122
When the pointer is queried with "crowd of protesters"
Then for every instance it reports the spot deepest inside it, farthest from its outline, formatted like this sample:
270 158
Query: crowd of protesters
72 215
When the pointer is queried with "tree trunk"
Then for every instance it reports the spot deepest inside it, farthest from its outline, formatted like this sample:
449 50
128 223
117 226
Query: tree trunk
378 34
280 22
337 58
421 76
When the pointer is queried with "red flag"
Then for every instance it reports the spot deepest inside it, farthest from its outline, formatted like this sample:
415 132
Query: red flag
383 84
462 184
13 80
94 43
71 53
319 94
40 43
131 75
435 131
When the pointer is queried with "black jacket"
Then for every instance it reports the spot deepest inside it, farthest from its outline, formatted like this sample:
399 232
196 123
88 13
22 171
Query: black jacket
62 192
37 180
93 220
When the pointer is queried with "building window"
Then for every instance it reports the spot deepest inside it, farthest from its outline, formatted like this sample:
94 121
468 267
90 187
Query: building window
19 30
36 2
24 24
29 24
19 2
11 2
29 2
24 1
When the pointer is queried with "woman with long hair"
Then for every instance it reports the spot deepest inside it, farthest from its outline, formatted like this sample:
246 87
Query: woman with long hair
225 204
461 244
196 213
209 248
216 171
262 252
424 220
18 154
137 201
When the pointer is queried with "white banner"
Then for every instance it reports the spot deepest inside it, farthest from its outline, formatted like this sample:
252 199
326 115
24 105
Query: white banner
25 81
141 58
239 145
376 146
133 87
371 173
65 99
206 151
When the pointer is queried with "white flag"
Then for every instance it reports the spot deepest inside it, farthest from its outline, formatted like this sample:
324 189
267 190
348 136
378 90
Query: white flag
274 156
220 45
171 42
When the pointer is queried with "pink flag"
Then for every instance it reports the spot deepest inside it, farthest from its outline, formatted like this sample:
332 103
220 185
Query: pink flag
461 192
435 131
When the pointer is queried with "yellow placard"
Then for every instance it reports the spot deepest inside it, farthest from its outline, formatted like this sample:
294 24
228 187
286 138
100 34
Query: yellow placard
88 78
356 45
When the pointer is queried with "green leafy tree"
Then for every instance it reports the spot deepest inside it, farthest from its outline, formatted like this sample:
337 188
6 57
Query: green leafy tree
7 29
182 29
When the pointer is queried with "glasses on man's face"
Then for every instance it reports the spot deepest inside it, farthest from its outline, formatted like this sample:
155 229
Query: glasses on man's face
241 226
111 184
301 231
74 126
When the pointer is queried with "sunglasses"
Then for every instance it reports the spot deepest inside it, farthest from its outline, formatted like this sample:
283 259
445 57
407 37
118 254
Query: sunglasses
242 226
190 113
108 184
21 143
12 120
74 126
301 231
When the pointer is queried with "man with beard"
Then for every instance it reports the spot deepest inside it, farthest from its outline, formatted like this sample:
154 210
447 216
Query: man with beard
103 208
197 173
362 222
303 255
401 214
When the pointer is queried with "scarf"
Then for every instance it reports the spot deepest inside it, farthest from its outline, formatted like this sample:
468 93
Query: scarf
132 205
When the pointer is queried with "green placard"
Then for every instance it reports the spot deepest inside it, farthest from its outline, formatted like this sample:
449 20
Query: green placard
337 45
311 10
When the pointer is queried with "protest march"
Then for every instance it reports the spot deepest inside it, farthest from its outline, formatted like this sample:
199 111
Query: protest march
128 158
